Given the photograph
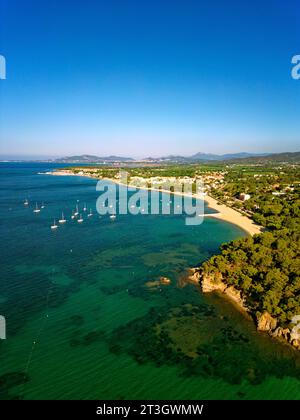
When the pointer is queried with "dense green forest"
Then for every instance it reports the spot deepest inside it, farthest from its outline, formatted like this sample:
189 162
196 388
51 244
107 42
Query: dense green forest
266 268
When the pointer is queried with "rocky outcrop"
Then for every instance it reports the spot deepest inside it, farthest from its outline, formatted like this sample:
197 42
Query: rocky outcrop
280 332
287 335
192 276
266 322
214 282
296 343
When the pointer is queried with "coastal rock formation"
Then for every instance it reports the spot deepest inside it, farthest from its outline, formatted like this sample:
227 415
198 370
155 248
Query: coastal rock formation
296 344
287 335
294 338
281 332
266 322
192 276
215 283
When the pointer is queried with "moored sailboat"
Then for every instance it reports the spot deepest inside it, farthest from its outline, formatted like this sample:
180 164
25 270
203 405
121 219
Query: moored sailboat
54 226
62 220
76 211
36 210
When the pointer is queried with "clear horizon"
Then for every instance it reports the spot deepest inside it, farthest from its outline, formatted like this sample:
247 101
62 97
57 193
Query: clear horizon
149 79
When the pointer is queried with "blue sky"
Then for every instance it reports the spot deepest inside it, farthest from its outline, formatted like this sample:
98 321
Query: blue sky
143 78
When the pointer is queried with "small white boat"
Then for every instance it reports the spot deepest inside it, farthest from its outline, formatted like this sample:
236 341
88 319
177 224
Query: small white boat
73 215
43 205
26 202
80 220
90 213
84 207
62 220
76 211
36 210
54 226
112 216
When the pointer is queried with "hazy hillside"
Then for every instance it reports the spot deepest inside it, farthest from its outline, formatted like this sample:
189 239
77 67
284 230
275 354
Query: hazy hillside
92 159
288 157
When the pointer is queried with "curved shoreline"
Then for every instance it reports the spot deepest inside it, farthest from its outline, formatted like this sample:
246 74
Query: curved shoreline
232 216
224 212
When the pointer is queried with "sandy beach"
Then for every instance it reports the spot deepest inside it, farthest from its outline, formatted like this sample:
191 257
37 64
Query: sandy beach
233 216
223 212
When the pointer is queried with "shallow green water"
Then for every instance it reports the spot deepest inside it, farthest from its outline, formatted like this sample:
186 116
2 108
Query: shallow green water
82 324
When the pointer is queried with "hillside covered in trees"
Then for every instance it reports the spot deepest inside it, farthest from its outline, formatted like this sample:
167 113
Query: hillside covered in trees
264 268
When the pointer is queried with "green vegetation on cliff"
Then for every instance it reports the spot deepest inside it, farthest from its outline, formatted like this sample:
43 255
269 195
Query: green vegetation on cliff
266 269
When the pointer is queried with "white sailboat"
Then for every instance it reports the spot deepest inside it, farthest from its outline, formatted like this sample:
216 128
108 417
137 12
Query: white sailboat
26 202
43 205
84 207
90 213
54 226
73 215
76 211
112 216
80 220
36 210
62 220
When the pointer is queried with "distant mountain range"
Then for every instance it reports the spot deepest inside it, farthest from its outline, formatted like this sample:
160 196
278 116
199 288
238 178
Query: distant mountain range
92 159
171 158
242 157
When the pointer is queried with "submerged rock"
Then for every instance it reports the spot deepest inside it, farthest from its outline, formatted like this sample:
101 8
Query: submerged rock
162 281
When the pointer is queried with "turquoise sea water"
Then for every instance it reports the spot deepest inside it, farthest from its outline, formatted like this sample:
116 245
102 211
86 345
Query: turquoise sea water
81 323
